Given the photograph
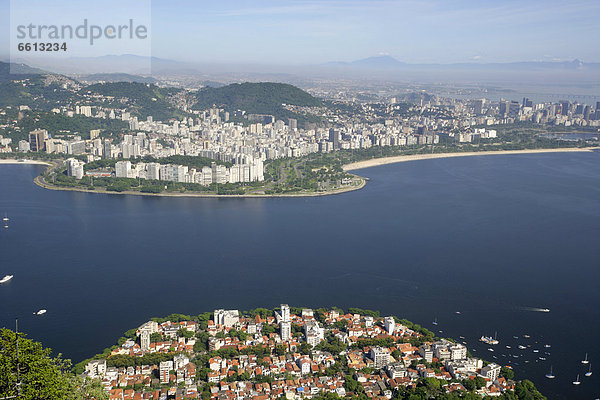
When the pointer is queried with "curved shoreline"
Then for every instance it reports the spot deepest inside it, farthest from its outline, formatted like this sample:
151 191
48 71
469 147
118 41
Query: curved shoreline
374 162
38 181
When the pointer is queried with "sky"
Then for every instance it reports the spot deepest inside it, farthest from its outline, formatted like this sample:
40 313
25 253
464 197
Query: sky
301 32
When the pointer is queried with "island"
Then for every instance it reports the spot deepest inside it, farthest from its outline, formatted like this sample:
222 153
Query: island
295 352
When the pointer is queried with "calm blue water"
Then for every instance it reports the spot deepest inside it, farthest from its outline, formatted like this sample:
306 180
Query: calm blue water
491 237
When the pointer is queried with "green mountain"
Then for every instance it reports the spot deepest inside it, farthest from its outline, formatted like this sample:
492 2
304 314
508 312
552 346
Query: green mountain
44 91
259 98
144 99
10 71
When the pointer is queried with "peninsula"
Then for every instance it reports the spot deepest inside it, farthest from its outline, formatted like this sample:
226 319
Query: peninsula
54 177
295 352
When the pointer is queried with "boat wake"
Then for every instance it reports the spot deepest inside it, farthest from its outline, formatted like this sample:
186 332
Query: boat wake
535 309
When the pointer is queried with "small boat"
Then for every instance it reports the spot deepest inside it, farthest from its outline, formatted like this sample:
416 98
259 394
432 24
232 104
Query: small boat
585 360
536 351
522 347
435 322
6 278
515 337
457 312
589 373
545 310
542 358
5 226
489 339
550 375
490 349
461 337
526 336
515 356
508 366
577 382
5 219
40 312
508 347
547 346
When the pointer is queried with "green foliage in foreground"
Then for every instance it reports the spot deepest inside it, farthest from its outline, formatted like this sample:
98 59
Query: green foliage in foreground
42 376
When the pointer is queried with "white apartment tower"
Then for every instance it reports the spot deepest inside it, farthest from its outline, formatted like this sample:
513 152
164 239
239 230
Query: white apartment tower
390 325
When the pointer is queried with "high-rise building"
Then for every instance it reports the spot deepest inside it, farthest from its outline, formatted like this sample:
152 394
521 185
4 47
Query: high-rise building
514 109
504 108
334 137
293 124
390 325
565 107
37 139
285 312
478 106
75 168
285 330
106 149
145 339
165 370
122 169
227 318
380 356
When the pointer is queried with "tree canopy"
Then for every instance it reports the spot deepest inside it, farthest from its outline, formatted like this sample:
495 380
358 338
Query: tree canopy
41 375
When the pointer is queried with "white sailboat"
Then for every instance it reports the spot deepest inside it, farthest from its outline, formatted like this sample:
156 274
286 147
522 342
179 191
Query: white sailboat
585 360
577 382
6 278
40 312
435 322
5 219
589 373
550 375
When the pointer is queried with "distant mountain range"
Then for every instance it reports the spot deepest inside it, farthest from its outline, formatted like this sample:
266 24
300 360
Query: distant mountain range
145 66
389 62
370 62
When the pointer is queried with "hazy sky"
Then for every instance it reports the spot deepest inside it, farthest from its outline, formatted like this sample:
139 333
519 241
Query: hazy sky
306 32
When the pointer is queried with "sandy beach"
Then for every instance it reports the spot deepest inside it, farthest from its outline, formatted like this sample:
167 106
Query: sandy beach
36 162
397 159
